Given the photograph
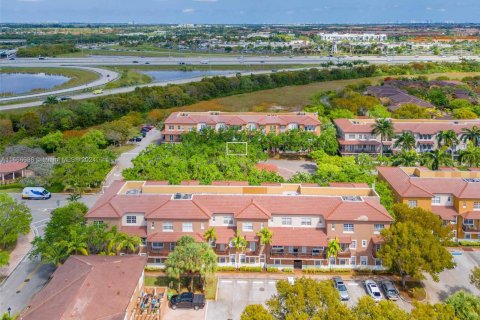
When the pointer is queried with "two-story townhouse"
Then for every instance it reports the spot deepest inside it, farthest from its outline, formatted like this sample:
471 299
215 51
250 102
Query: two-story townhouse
302 217
356 135
181 122
452 194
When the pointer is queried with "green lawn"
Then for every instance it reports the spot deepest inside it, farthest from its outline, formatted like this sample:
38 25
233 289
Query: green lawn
164 281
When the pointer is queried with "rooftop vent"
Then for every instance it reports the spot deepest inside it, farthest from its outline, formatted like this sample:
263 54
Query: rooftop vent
182 196
133 191
214 113
290 193
183 114
352 198
474 180
301 113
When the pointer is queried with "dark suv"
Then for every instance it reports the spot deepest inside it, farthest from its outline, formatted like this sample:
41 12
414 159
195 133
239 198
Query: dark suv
187 300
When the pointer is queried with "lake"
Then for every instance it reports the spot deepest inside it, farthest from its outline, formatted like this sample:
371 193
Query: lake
163 75
18 83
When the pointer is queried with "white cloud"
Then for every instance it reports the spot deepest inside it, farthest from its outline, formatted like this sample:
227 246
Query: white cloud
188 10
442 9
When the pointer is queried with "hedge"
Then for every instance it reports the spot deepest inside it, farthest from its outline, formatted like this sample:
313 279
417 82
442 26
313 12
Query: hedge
325 270
250 269
226 268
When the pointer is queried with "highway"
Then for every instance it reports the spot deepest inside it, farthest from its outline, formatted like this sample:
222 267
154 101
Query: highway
107 75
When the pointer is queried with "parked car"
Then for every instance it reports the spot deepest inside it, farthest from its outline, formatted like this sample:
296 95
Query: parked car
391 292
36 193
65 98
341 287
188 300
98 91
135 61
373 290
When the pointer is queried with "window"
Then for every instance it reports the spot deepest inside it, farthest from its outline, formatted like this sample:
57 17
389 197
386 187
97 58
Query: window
171 137
351 136
222 259
348 227
172 246
317 263
476 205
436 200
277 249
97 222
167 227
157 245
464 204
364 243
252 245
412 203
247 226
317 251
378 227
187 227
202 226
353 260
179 127
353 245
333 226
468 235
363 260
157 260
277 262
152 225
454 221
286 221
468 222
378 262
228 220
273 128
306 221
131 219
171 127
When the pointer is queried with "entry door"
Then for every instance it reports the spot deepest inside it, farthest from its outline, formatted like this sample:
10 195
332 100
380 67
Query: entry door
297 264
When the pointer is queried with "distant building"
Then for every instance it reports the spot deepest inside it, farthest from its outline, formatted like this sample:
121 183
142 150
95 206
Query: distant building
355 37
90 287
180 122
451 194
395 97
356 136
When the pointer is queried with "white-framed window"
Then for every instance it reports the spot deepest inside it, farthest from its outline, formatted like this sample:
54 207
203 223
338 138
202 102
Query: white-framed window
316 251
172 246
464 204
363 260
187 227
468 222
353 245
157 245
171 127
412 203
167 227
247 226
97 222
364 243
353 260
228 220
170 137
152 225
351 136
286 221
348 227
378 227
454 221
131 219
333 226
179 128
277 262
157 260
476 205
306 221
317 263
436 200
202 226
277 249
378 262
252 245
222 259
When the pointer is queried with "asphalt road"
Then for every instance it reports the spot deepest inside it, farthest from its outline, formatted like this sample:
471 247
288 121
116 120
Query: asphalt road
31 275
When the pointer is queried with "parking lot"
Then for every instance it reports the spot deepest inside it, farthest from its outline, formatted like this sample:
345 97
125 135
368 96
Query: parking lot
235 294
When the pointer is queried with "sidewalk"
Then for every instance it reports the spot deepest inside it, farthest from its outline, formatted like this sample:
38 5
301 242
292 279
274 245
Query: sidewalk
16 256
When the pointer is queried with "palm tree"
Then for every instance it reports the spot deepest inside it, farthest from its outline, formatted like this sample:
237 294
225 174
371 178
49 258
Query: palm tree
436 158
265 236
77 243
405 159
114 239
129 243
472 135
210 236
384 128
51 100
406 141
447 138
239 243
333 248
55 253
470 156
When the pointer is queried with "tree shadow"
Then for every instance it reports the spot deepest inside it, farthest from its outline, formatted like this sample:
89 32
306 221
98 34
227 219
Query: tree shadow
310 167
444 294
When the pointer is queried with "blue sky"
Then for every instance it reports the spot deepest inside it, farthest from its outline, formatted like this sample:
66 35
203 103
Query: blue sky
240 11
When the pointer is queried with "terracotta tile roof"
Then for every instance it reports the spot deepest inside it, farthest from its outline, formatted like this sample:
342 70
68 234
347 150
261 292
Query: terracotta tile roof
225 234
348 184
181 209
444 212
10 167
139 231
229 183
173 236
253 211
346 240
471 215
283 236
88 287
369 209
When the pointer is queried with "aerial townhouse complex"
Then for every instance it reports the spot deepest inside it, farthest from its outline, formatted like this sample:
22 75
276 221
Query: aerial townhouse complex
452 194
180 122
302 217
356 135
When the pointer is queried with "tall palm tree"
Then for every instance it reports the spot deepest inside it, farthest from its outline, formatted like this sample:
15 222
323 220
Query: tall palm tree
210 236
130 244
333 248
265 236
114 239
406 141
470 156
405 158
447 138
77 243
437 158
240 244
384 128
472 135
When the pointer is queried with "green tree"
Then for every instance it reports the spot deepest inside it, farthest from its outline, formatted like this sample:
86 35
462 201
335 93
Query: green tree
385 194
265 236
475 277
333 249
447 138
460 103
51 100
210 235
472 135
406 141
328 140
405 158
426 311
255 312
77 242
469 156
240 244
384 128
465 305
379 111
52 141
411 111
130 243
464 113
15 219
367 309
436 158
4 258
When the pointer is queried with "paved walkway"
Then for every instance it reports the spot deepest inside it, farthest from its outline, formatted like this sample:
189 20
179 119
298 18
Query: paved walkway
287 168
21 249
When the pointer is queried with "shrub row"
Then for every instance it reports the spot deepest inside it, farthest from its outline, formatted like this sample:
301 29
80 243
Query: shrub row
325 270
250 269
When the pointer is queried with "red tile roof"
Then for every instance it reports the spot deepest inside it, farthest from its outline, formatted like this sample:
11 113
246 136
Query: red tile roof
10 167
471 215
173 236
369 209
139 231
445 213
88 287
225 234
283 236
253 211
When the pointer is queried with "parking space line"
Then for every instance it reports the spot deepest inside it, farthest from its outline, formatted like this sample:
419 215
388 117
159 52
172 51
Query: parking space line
226 281
242 281
272 282
257 282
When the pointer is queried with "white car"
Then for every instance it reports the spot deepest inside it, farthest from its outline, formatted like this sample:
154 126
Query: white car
373 290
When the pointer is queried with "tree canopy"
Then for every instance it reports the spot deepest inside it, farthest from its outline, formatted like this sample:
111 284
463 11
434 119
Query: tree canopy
15 219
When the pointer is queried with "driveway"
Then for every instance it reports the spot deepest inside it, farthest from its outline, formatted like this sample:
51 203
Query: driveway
456 279
287 168
186 314
235 294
